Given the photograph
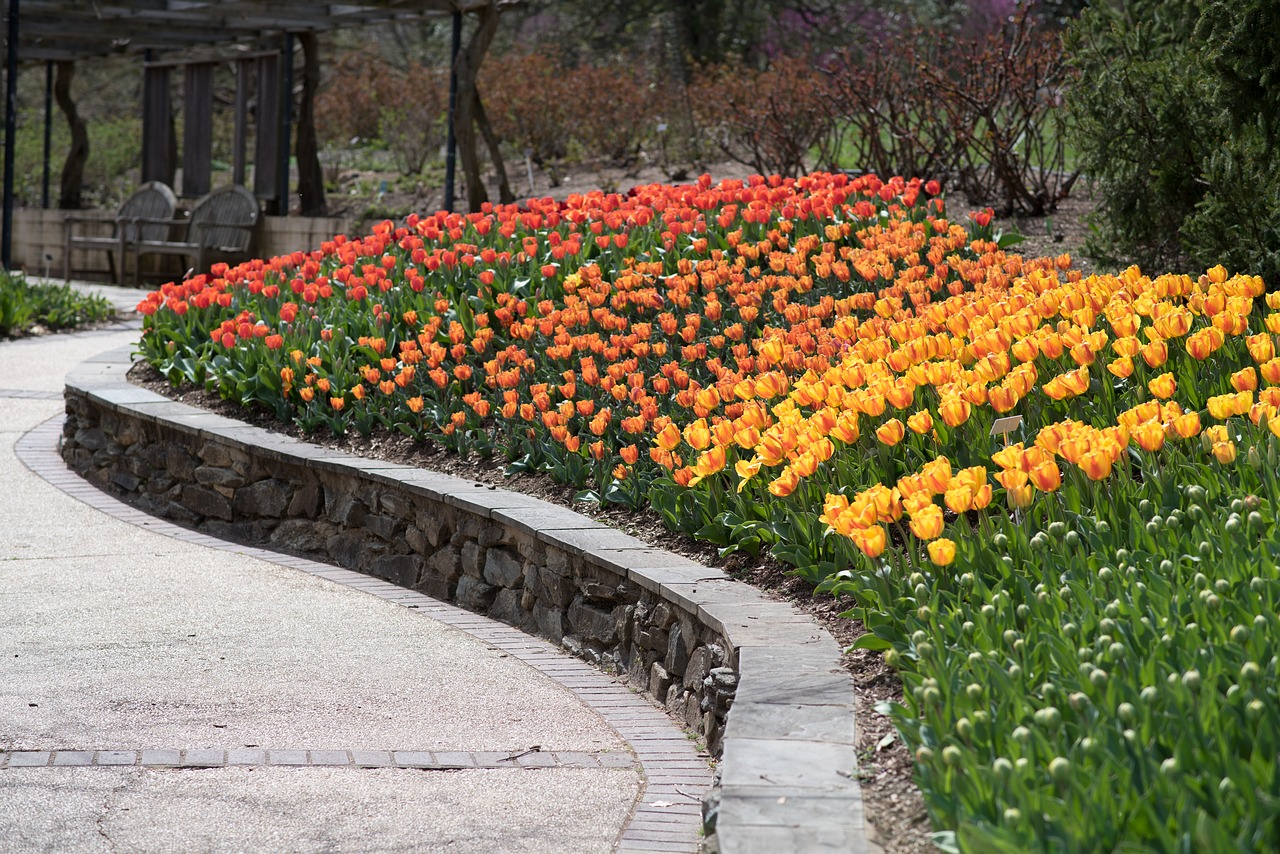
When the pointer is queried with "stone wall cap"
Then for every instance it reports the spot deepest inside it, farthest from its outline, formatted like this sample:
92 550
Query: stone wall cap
745 632
543 516
483 499
765 764
122 355
791 721
794 687
693 593
647 559
761 839
584 540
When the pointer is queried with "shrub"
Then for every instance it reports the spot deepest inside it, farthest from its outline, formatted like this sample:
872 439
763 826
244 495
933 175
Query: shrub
403 110
770 120
527 105
1174 116
883 119
978 112
559 112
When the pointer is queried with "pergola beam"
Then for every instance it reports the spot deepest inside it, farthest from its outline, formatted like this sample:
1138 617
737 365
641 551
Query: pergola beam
74 29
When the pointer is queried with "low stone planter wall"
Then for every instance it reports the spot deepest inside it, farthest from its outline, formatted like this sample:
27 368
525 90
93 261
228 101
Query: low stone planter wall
761 681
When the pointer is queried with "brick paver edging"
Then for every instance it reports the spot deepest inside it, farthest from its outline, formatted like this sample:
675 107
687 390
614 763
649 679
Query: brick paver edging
423 760
697 641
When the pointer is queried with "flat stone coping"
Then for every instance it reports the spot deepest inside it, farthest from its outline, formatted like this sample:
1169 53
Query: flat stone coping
788 765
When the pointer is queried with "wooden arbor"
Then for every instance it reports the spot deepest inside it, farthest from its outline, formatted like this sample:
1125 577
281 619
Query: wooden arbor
63 31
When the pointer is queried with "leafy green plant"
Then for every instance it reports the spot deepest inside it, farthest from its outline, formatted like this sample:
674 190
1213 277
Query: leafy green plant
24 305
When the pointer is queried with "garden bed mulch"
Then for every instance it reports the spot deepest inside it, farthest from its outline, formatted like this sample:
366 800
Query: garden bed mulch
894 805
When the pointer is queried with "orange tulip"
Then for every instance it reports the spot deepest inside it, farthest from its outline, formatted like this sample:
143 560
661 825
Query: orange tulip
697 435
1174 324
1202 344
1097 464
846 429
1224 452
1261 347
1002 399
1121 367
891 432
1155 354
871 541
955 411
1187 425
746 470
959 499
785 483
1020 498
1163 386
921 422
1046 477
927 522
1271 371
1244 380
668 437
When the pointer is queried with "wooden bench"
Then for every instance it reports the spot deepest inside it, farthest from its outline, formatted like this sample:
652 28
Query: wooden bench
153 203
223 226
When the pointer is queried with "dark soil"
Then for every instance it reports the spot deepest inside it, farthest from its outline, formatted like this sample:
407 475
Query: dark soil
894 805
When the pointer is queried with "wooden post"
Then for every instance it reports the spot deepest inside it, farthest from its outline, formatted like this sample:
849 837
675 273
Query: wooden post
157 126
241 132
267 127
451 146
310 176
286 116
197 130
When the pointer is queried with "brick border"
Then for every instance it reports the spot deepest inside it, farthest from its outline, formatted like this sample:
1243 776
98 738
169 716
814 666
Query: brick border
217 757
788 761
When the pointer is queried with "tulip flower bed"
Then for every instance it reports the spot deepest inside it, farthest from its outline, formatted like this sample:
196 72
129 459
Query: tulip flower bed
1083 602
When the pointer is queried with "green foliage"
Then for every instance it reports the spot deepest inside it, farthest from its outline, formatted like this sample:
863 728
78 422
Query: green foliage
1108 679
113 151
1174 114
24 305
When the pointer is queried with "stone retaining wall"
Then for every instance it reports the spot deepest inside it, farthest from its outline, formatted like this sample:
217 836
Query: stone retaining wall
697 642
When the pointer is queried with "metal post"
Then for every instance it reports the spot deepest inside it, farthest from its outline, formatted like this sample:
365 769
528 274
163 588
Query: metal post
286 110
10 132
48 131
451 149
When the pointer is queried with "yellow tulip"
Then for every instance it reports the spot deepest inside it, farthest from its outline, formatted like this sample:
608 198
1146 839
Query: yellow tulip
942 551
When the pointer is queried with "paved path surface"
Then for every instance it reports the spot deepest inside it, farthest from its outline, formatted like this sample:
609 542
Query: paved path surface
161 690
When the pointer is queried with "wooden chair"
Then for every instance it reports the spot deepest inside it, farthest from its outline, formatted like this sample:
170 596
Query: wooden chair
223 226
153 202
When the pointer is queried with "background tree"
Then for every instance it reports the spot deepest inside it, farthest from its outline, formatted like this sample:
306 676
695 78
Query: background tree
1174 115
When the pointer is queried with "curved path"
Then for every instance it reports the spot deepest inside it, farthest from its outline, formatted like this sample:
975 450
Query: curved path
163 690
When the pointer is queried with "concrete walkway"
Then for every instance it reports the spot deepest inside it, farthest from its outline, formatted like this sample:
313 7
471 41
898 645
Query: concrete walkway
177 693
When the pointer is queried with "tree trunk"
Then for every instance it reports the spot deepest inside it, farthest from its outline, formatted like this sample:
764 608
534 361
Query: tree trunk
495 153
73 169
469 59
310 176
